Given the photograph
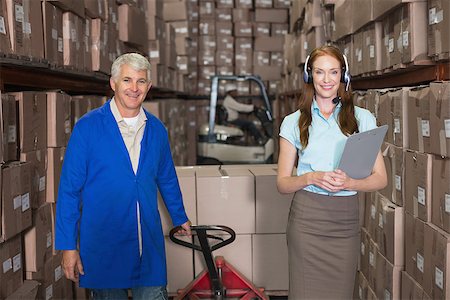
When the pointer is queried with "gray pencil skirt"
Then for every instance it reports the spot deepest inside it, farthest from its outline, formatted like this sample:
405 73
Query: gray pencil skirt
323 246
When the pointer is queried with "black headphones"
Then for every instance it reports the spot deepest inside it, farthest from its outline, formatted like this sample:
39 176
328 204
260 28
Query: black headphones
345 78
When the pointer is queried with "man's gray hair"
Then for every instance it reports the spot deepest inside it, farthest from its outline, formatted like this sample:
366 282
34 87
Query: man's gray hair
136 61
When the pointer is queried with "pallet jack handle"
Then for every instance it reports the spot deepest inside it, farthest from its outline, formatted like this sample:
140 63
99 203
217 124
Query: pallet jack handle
206 249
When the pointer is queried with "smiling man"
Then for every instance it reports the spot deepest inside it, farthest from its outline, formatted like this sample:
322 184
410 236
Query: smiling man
107 220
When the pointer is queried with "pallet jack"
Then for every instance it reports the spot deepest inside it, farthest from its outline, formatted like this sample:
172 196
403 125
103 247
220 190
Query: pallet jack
221 280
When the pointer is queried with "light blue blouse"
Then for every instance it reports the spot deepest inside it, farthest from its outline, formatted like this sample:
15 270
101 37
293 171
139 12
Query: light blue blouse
326 142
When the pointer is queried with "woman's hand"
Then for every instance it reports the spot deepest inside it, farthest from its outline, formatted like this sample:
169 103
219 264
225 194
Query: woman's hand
330 181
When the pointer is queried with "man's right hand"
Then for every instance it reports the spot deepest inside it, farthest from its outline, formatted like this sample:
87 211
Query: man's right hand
71 264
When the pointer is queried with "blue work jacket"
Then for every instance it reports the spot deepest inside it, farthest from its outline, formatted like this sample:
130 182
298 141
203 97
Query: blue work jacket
97 199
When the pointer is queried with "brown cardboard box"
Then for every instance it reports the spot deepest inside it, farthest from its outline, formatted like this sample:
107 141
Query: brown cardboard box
263 3
398 175
270 256
206 9
243 3
384 116
175 11
390 231
313 15
362 13
224 14
261 58
26 291
364 253
156 28
186 178
261 29
412 32
9 126
419 119
58 119
76 7
271 15
441 193
381 7
411 289
55 160
206 42
99 45
272 208
243 29
387 151
154 7
372 47
274 43
243 44
440 118
38 240
391 25
220 194
344 24
5 42
94 9
438 24
132 25
415 248
16 205
388 283
241 14
11 277
399 103
418 168
373 264
268 72
224 58
437 262
207 27
32 120
73 42
224 28
357 54
361 288
38 169
224 4
53 33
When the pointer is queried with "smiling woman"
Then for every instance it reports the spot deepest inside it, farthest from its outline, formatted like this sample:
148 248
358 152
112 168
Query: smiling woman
323 225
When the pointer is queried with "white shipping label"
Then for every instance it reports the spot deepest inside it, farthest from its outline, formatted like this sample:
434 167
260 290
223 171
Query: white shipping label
17 202
54 34
41 183
19 13
12 134
380 220
439 275
373 211
447 128
360 292
391 45
67 126
17 262
397 126
387 295
154 54
447 203
371 259
419 262
305 45
60 44
363 249
26 27
2 25
25 201
421 195
7 265
432 16
49 239
426 128
58 273
439 16
181 30
372 51
405 36
49 292
398 182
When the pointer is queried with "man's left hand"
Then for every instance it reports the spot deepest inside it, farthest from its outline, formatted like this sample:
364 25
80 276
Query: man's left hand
185 229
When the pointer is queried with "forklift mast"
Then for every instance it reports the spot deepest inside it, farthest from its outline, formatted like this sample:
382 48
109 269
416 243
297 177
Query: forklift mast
214 95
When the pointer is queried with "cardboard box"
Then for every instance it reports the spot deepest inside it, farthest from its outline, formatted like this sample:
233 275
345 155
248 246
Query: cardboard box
411 289
32 120
362 13
207 27
186 179
272 208
384 116
313 15
364 253
418 168
154 7
243 29
357 54
362 287
441 193
11 277
77 7
390 231
26 291
243 3
270 257
344 24
224 14
440 118
438 24
175 11
398 176
271 15
268 72
388 282
261 29
53 33
132 25
5 42
387 151
418 113
373 265
372 44
242 14
38 240
99 45
243 44
220 4
73 41
391 25
38 169
226 198
94 9
16 203
381 7
180 267
9 125
58 119
224 58
437 262
55 160
415 247
399 102
274 43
